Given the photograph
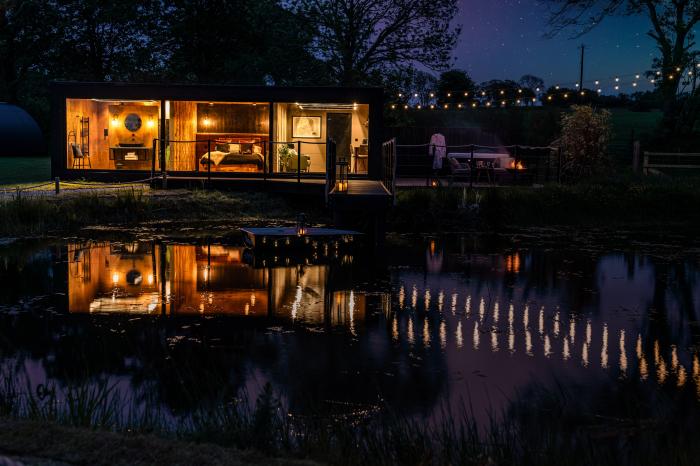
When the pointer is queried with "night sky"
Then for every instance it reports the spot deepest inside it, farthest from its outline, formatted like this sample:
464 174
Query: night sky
503 39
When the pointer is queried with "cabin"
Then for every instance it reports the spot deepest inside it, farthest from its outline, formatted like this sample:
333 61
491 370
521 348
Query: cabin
229 134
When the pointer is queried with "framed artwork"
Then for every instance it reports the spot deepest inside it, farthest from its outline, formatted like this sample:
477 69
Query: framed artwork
306 127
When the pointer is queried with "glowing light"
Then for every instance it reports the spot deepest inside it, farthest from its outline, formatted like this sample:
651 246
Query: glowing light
393 106
400 94
415 95
556 87
502 92
446 105
473 104
634 84
566 96
150 123
537 89
459 106
405 107
149 279
432 106
432 94
115 277
449 94
599 91
597 83
636 76
549 97
617 87
466 94
617 80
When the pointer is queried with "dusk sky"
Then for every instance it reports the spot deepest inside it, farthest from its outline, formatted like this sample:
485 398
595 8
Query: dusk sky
503 39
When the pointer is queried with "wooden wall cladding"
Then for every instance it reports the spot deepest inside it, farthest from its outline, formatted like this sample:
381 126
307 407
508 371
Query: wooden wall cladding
183 126
233 118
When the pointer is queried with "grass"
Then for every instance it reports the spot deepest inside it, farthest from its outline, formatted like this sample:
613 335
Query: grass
170 210
24 170
618 424
651 202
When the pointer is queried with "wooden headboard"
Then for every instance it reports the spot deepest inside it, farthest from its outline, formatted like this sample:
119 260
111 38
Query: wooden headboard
217 138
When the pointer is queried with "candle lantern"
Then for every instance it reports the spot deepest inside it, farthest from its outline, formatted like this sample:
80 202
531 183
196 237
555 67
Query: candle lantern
341 183
301 224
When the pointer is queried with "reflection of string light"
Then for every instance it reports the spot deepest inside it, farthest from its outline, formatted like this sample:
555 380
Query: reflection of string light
547 347
410 331
604 349
475 335
565 354
623 353
458 335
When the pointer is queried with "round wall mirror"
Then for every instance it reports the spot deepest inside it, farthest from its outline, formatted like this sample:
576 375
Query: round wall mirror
132 122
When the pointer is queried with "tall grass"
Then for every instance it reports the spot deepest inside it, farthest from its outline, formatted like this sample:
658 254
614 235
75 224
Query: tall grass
611 202
27 215
624 424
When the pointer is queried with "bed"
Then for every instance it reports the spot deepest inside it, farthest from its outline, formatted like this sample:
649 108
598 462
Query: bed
235 157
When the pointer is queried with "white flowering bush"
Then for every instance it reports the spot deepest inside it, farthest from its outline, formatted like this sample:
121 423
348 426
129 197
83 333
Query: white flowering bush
585 133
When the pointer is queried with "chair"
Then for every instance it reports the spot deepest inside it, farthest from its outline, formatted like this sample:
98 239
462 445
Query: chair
360 158
78 157
457 169
305 162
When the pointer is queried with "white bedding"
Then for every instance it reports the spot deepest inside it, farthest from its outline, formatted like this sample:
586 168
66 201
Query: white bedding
216 156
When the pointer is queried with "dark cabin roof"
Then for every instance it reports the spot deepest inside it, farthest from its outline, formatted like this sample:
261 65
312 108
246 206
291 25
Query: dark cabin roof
20 135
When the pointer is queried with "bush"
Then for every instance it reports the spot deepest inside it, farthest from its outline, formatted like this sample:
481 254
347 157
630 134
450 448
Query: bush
584 139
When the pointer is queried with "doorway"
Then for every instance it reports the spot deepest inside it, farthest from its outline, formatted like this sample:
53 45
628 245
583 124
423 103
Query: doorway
339 128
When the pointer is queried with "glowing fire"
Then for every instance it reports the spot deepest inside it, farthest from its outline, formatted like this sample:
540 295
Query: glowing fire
518 166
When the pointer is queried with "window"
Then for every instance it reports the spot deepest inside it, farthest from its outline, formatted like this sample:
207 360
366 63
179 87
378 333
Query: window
106 134
301 131
221 137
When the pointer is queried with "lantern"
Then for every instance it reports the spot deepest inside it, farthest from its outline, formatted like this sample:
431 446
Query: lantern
301 225
341 184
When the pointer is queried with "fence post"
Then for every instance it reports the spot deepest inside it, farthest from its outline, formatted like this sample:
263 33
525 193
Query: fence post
298 161
153 159
471 167
208 163
58 185
559 165
635 156
427 177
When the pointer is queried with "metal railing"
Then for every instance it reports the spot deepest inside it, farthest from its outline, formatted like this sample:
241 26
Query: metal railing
389 166
530 163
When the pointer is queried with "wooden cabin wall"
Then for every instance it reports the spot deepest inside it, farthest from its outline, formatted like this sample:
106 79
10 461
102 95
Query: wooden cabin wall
118 134
183 127
233 118
99 119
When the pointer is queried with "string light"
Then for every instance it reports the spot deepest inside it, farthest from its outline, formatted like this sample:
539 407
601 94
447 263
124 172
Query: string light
466 94
634 84
446 105
432 107
432 94
400 94
405 107
415 95
617 80
473 104
459 106
449 94
393 106
418 107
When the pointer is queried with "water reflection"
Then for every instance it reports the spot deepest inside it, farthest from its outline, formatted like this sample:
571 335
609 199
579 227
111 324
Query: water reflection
209 279
430 321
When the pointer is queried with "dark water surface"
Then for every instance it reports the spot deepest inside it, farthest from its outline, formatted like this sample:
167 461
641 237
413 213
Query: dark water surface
429 325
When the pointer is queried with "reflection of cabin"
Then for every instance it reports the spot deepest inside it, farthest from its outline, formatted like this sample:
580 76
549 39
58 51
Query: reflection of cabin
205 279
108 278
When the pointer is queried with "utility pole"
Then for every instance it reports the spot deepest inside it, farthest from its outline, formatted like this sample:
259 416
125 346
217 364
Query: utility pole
580 76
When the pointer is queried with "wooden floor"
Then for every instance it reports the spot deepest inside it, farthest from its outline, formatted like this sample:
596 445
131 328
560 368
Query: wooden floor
364 188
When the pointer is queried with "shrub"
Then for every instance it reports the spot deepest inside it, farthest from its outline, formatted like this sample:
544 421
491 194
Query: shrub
584 139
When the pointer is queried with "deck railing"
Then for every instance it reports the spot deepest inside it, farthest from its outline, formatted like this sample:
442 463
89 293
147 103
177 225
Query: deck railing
389 166
531 164
331 156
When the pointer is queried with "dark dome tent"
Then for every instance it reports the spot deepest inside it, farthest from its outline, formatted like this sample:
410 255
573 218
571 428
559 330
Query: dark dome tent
20 135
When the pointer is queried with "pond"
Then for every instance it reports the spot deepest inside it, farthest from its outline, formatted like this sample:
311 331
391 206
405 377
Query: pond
425 328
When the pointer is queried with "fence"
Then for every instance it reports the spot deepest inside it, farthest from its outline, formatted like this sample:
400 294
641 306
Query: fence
525 164
56 187
389 166
655 160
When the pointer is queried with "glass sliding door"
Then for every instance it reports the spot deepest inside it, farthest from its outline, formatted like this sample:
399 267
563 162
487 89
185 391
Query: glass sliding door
217 137
301 130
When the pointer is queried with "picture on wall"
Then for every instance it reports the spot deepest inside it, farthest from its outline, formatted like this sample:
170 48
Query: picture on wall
306 127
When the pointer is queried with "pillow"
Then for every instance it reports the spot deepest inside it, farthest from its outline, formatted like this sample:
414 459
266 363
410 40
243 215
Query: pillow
77 152
257 149
221 147
247 148
234 148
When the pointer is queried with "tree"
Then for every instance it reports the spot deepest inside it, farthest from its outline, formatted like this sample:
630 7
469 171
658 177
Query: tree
584 141
672 24
360 41
239 41
455 86
534 83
